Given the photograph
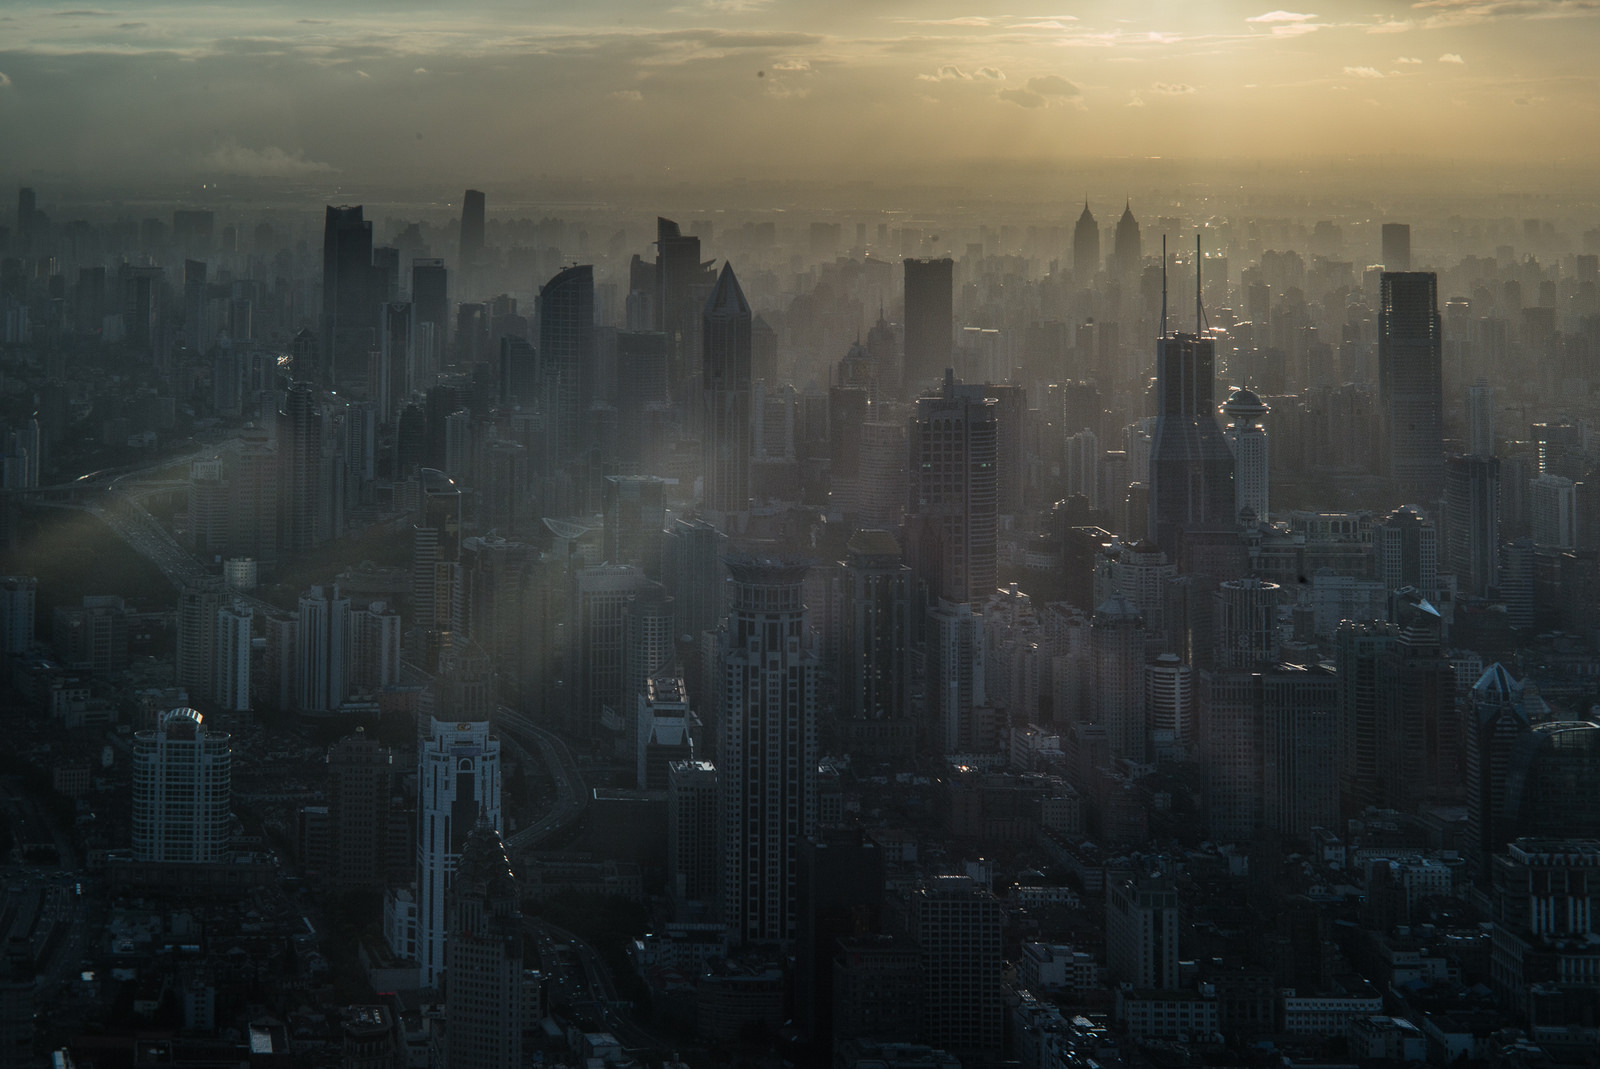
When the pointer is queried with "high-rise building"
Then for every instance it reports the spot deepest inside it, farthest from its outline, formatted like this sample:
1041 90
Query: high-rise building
1142 925
680 285
635 516
352 289
436 588
1472 522
17 601
1554 506
361 819
472 205
1480 419
1410 386
648 644
1086 246
232 674
693 575
300 452
182 790
458 787
567 358
839 896
1406 551
1397 246
725 386
323 651
483 992
1117 642
882 479
958 926
663 731
395 375
1169 705
430 323
1299 776
1191 466
930 320
1245 624
952 516
374 647
1421 744
768 676
642 393
1544 894
1249 442
693 826
198 605
878 627
1229 716
1358 649
597 642
1127 253
954 640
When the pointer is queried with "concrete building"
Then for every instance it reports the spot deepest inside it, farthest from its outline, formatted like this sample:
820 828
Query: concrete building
182 790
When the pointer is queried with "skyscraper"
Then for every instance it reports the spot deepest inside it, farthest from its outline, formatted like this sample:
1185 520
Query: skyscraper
360 786
471 228
352 289
725 387
1117 639
1410 385
182 790
483 978
768 678
878 629
1142 925
17 599
958 928
930 320
232 676
458 787
1397 246
566 358
952 520
196 655
1128 251
680 285
1472 522
596 644
1358 648
1191 467
430 303
1406 550
693 825
954 652
300 453
1299 751
1086 246
323 651
395 375
1249 442
1480 419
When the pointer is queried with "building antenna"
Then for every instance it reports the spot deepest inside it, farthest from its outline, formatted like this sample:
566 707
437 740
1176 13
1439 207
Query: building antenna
1199 310
1163 285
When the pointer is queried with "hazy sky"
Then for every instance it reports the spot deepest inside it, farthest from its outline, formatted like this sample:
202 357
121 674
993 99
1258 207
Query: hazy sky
496 91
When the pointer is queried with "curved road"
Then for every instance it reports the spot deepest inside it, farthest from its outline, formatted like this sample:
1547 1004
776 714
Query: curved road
572 794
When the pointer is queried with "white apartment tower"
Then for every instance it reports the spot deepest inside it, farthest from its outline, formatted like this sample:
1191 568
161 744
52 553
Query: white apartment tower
458 785
182 790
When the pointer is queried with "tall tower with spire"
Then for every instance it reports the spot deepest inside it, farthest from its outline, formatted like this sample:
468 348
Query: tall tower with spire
1128 248
725 387
1086 244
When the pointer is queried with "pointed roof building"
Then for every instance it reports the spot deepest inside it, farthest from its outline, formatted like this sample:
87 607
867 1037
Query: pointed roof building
1086 243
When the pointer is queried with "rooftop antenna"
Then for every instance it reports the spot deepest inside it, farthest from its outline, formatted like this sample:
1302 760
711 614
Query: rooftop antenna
1163 285
1199 313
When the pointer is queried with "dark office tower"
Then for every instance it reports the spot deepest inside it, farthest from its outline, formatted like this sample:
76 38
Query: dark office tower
767 679
641 387
958 927
725 386
1410 388
635 516
471 228
352 289
952 518
876 686
430 322
300 451
483 1012
1421 750
1472 522
518 372
410 440
386 262
1086 246
393 373
839 895
566 357
1358 649
1128 252
1498 724
1299 752
1191 466
360 785
27 216
681 282
141 307
436 587
930 321
1397 246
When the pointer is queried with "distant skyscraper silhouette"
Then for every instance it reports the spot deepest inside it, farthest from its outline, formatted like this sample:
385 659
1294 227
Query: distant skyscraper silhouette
1191 467
930 320
681 283
1086 245
483 1010
352 289
1128 251
1397 246
1480 419
1410 386
27 214
725 386
566 357
430 302
471 228
1472 522
952 518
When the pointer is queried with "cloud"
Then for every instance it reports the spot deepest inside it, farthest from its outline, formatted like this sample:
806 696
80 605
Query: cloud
951 73
1173 88
1407 59
632 96
1468 12
1528 102
1363 72
1280 16
362 74
420 70
5 80
1451 57
1392 26
1053 85
1135 101
1022 98
732 7
268 162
